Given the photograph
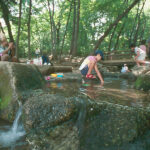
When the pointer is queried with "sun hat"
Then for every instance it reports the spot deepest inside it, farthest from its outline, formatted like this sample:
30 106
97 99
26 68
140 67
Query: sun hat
99 52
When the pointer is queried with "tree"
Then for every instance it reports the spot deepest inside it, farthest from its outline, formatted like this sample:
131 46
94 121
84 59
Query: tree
29 28
6 14
114 23
19 26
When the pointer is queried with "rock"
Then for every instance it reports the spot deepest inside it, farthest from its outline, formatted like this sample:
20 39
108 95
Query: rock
60 123
143 77
47 110
50 116
113 68
16 78
143 83
47 70
62 137
140 70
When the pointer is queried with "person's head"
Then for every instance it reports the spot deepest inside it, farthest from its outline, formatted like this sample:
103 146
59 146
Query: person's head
99 55
132 46
4 42
125 65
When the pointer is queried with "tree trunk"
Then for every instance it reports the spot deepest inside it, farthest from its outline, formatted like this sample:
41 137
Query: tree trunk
143 29
29 29
51 25
6 13
76 31
74 28
116 45
115 23
63 41
139 23
134 24
53 29
112 35
19 25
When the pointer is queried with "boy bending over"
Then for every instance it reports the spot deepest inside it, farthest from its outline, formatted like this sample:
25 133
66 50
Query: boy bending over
90 63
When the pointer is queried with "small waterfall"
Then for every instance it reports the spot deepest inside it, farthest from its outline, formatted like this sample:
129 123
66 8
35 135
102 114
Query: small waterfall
15 132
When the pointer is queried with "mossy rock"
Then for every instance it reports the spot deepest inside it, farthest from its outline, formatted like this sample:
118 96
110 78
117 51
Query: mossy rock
143 83
15 79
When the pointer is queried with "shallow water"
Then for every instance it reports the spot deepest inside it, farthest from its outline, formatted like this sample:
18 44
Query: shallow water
115 90
12 135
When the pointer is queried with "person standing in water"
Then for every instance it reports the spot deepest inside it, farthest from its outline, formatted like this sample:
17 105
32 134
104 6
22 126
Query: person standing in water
90 63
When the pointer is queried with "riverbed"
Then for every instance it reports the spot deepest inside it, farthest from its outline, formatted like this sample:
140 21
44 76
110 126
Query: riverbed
115 90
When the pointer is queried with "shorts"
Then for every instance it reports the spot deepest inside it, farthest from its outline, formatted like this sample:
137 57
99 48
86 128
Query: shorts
141 57
84 71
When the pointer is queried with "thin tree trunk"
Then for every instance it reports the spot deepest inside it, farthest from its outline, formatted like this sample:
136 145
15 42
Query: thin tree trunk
117 41
134 24
51 25
29 29
63 41
139 23
53 29
6 13
19 25
115 23
54 32
112 35
143 29
74 27
77 31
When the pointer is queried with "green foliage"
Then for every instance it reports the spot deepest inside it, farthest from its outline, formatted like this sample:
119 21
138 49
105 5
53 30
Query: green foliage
95 17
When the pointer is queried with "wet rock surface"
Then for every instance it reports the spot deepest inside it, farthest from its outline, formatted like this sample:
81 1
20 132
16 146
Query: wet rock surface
143 79
141 70
90 119
80 123
14 79
47 110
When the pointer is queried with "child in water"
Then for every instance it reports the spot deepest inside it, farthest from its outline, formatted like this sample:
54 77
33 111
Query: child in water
125 69
90 63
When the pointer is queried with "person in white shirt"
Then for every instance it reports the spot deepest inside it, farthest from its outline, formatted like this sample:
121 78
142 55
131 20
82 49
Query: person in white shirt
37 52
125 69
140 55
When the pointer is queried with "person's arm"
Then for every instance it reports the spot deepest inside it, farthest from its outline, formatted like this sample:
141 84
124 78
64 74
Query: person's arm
138 54
99 74
9 48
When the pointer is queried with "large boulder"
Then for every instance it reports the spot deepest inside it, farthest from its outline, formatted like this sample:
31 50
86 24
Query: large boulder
15 79
59 123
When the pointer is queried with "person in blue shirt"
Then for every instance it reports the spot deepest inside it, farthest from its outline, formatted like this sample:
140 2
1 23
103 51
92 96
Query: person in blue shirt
6 50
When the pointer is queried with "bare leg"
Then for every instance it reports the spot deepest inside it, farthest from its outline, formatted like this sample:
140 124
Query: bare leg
90 66
4 57
141 62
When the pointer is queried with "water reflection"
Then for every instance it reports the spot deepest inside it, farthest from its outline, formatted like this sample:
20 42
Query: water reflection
115 90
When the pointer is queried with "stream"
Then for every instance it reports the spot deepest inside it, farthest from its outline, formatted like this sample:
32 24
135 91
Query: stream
12 136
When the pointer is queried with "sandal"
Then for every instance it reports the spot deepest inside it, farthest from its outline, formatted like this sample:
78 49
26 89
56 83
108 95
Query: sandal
90 76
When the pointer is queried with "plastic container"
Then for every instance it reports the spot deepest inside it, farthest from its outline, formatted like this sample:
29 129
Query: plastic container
59 75
54 75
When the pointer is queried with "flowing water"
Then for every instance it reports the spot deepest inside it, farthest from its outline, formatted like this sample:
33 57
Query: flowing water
115 90
12 136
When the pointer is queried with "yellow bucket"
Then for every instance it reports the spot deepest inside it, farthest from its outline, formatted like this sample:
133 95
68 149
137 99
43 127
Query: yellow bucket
54 75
